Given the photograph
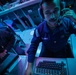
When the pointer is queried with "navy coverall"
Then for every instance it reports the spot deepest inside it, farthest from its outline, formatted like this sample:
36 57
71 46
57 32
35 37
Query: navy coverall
53 42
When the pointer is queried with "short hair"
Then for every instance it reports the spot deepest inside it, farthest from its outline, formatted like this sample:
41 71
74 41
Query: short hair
45 1
49 1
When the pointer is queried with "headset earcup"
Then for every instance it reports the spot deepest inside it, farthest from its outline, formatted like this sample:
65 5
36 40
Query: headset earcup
41 13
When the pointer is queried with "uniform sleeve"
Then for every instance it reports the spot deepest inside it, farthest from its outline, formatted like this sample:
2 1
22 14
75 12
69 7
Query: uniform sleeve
34 45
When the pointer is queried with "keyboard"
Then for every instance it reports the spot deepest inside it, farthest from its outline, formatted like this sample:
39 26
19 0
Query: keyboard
52 67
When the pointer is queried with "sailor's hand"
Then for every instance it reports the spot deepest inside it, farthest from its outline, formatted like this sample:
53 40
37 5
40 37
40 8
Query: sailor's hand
69 13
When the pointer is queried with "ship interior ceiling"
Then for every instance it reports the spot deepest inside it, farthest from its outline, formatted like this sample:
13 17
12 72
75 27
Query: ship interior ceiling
21 19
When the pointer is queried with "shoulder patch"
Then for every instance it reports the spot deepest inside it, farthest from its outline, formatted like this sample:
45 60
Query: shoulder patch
37 33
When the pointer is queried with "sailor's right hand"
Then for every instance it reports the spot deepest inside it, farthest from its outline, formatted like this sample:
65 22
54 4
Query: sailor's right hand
29 71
